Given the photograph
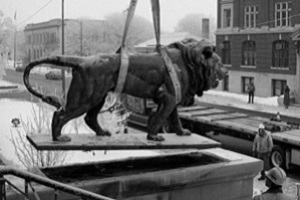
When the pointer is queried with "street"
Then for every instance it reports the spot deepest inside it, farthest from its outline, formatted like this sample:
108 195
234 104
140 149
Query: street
39 80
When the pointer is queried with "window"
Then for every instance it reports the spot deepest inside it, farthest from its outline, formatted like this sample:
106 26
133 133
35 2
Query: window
282 14
226 83
47 37
278 87
29 55
52 38
251 13
41 38
227 15
34 54
245 82
28 39
34 41
44 38
249 53
280 57
227 18
226 52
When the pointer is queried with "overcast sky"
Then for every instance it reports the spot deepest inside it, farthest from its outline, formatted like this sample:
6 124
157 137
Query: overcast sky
171 10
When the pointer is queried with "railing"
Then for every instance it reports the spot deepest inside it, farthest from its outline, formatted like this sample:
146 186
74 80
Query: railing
29 177
298 191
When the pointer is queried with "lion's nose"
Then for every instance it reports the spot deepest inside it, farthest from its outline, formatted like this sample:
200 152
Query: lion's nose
215 84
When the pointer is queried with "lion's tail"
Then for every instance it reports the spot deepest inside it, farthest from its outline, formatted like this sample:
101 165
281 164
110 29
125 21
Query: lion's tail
63 61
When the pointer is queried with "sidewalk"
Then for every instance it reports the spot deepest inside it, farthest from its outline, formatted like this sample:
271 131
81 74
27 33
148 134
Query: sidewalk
268 105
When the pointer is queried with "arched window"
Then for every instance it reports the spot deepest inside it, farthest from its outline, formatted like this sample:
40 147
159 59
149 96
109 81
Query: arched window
280 50
226 52
249 53
34 54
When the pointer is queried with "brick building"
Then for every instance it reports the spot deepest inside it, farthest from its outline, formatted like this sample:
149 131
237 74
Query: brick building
258 40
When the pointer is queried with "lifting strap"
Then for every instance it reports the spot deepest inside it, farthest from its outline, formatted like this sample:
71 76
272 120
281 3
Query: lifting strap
163 51
124 56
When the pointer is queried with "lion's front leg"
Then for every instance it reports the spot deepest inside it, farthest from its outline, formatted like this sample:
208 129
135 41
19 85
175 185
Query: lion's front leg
175 124
166 103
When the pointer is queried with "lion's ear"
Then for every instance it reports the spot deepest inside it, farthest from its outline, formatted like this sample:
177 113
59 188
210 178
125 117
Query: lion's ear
207 52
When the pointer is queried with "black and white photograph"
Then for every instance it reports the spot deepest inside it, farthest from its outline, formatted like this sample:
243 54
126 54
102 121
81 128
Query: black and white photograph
150 99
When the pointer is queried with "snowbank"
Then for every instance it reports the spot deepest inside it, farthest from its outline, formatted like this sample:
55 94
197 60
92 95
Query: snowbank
21 109
270 101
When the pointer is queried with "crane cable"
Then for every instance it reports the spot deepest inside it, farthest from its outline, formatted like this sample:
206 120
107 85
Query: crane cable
163 51
124 60
123 50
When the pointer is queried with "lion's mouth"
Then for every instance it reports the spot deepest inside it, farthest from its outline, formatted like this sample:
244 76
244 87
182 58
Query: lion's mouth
215 84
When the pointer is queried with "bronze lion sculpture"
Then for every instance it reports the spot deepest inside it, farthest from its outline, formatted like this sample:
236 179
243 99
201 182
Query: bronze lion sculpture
198 69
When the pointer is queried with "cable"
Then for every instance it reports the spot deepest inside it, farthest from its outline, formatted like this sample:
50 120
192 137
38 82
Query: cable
35 13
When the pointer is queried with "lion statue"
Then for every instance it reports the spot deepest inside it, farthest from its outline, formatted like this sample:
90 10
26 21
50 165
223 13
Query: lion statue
197 66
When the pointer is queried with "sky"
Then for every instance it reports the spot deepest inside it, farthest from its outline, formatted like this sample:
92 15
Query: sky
35 11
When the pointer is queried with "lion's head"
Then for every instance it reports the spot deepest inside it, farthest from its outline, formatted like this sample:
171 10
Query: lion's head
204 66
215 70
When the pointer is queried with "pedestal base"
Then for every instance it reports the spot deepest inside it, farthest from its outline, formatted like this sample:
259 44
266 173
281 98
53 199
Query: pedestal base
128 141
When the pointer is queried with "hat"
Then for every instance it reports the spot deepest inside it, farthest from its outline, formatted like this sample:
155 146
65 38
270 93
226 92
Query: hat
276 175
261 126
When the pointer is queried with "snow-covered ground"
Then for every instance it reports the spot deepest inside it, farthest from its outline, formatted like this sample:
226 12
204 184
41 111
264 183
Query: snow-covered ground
270 105
24 110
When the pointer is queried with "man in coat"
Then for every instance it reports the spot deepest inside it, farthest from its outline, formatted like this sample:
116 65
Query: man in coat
262 148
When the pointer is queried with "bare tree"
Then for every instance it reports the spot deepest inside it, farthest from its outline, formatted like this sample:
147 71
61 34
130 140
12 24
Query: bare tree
6 29
26 153
140 30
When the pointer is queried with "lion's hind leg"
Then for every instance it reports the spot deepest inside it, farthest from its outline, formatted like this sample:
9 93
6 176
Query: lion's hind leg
91 120
61 117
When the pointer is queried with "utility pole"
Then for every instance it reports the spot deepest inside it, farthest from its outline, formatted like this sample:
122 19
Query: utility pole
81 38
15 48
15 42
63 50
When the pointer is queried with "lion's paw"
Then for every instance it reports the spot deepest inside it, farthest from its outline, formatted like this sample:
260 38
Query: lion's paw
184 132
157 138
63 138
104 133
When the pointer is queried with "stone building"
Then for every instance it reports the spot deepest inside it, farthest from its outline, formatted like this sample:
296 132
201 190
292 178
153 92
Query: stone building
42 38
257 40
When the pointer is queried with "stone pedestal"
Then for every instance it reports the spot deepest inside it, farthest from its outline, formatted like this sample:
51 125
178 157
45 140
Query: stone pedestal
208 174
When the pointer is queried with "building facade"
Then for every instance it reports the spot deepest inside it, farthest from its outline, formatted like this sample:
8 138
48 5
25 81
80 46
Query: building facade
257 40
42 38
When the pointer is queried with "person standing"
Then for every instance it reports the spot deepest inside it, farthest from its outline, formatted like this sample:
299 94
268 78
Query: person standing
275 179
251 90
286 97
262 148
